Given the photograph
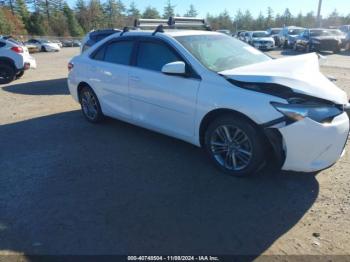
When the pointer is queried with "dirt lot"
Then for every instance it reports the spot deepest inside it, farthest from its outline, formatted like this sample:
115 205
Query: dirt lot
70 187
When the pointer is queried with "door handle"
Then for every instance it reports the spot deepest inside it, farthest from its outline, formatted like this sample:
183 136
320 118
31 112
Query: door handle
134 78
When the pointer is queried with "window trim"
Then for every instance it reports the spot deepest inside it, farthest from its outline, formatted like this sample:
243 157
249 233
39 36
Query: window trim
151 39
133 40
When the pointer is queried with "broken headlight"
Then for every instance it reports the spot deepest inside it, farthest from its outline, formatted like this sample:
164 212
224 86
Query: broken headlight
318 112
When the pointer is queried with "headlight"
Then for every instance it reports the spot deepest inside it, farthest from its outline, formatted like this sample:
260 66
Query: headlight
317 112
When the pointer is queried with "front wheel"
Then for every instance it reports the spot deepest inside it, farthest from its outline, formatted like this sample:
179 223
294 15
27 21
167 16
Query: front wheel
90 105
234 145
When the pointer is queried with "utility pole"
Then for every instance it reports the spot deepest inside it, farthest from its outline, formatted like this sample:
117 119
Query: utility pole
319 22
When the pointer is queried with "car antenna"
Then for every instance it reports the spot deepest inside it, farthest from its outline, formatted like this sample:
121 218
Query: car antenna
125 29
159 29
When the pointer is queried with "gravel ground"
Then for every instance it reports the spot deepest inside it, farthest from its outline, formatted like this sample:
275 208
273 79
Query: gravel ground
70 187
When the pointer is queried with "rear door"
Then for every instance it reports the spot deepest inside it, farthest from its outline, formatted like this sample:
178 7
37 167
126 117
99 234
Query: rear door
159 101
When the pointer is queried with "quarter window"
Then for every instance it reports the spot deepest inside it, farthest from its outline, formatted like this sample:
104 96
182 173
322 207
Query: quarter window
154 56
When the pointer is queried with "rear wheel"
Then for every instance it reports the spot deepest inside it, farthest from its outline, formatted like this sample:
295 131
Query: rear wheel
235 146
337 50
7 74
295 47
90 105
307 48
20 74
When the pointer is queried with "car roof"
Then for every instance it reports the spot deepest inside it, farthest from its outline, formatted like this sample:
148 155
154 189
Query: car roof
169 32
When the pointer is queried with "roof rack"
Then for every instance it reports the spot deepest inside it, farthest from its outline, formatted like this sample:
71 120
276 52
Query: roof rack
173 23
125 29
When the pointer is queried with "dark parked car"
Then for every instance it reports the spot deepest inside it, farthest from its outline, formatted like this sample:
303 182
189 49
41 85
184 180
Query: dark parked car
347 41
95 36
319 39
288 36
273 32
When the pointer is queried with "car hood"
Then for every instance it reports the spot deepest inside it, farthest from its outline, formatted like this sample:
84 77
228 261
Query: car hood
300 73
262 38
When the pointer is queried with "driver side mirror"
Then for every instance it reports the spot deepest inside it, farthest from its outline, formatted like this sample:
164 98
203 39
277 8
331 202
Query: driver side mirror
174 68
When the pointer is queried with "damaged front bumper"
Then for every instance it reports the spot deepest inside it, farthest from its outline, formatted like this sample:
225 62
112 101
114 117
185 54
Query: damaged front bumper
309 146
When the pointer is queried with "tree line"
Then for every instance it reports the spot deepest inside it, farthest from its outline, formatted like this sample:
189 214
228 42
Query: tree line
57 18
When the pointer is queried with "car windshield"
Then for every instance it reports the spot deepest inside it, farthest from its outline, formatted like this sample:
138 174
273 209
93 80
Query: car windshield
260 34
321 32
221 52
275 31
294 31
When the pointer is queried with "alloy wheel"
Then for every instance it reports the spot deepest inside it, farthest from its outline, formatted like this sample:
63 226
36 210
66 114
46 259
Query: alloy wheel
89 105
231 147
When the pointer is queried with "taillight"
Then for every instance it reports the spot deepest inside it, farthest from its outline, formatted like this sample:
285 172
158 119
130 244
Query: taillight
70 66
17 49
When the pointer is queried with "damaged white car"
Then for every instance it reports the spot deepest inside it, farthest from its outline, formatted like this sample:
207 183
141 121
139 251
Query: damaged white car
216 92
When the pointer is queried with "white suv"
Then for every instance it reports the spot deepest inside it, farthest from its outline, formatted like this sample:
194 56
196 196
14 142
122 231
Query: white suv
14 60
216 92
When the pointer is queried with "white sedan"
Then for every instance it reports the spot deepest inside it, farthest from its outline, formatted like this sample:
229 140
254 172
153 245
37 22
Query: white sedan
216 92
44 45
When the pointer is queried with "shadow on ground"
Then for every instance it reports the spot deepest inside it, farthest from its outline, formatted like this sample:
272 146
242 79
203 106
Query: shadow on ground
46 87
70 187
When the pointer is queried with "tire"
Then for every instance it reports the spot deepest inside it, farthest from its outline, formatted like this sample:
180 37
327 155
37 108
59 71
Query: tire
20 74
295 48
43 49
285 45
235 146
90 105
337 50
307 48
347 46
7 74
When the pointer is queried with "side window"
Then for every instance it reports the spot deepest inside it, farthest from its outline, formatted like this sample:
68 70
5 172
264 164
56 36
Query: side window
99 55
119 52
154 56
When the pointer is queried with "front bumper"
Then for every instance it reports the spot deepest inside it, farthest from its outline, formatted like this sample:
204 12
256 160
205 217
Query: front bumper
326 46
264 46
311 146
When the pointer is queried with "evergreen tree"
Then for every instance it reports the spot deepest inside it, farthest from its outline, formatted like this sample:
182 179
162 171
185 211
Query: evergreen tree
151 13
95 16
192 12
133 11
73 26
260 22
269 22
81 13
287 17
248 20
169 10
113 13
